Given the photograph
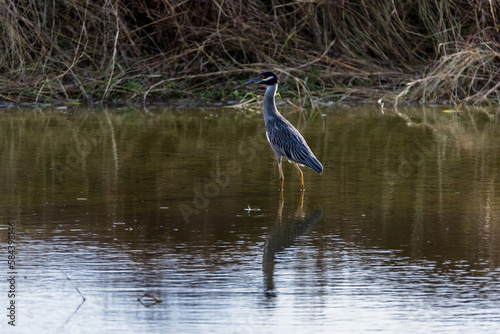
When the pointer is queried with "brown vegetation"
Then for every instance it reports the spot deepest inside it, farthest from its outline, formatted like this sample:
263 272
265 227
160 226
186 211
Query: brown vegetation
413 50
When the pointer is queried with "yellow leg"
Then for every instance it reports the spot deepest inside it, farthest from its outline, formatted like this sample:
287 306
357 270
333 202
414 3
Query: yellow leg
280 208
300 208
301 177
282 178
301 201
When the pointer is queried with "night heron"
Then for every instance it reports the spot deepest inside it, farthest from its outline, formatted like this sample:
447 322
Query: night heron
285 139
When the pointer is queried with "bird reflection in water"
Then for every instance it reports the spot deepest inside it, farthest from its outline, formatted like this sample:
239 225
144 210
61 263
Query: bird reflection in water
283 235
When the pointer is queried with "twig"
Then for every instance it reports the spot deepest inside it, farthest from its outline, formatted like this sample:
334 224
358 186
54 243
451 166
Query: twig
76 288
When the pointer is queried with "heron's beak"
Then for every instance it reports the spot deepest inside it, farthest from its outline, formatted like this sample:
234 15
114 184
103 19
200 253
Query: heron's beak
254 80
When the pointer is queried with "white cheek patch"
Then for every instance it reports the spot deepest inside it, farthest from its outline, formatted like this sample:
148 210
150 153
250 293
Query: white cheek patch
266 79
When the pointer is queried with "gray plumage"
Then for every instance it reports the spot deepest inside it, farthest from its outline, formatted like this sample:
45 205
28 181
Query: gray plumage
287 142
284 138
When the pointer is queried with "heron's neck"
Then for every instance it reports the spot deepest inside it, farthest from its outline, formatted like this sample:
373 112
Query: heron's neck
270 110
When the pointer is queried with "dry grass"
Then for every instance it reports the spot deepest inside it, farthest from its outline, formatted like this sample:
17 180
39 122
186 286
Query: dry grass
469 75
102 51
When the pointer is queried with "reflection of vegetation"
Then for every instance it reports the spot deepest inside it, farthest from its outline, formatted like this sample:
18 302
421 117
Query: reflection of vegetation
420 178
50 159
428 180
96 50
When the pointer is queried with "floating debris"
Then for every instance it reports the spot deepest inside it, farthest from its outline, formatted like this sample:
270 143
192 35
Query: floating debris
249 209
149 300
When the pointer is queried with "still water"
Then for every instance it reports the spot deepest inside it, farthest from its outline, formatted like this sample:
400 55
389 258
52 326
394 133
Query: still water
170 221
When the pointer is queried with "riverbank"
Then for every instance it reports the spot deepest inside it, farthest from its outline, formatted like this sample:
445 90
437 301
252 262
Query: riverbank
98 52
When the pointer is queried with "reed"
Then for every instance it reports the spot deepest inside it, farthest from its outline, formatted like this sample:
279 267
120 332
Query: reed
104 51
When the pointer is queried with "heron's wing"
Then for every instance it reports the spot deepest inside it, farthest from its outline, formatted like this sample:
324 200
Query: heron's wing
286 139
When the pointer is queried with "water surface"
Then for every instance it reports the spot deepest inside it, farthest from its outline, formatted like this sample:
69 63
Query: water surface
171 221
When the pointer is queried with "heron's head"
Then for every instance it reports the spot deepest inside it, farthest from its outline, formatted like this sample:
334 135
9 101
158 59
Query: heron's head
266 78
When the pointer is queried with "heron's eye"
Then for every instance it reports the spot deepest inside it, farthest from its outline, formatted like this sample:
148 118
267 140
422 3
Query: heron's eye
262 77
